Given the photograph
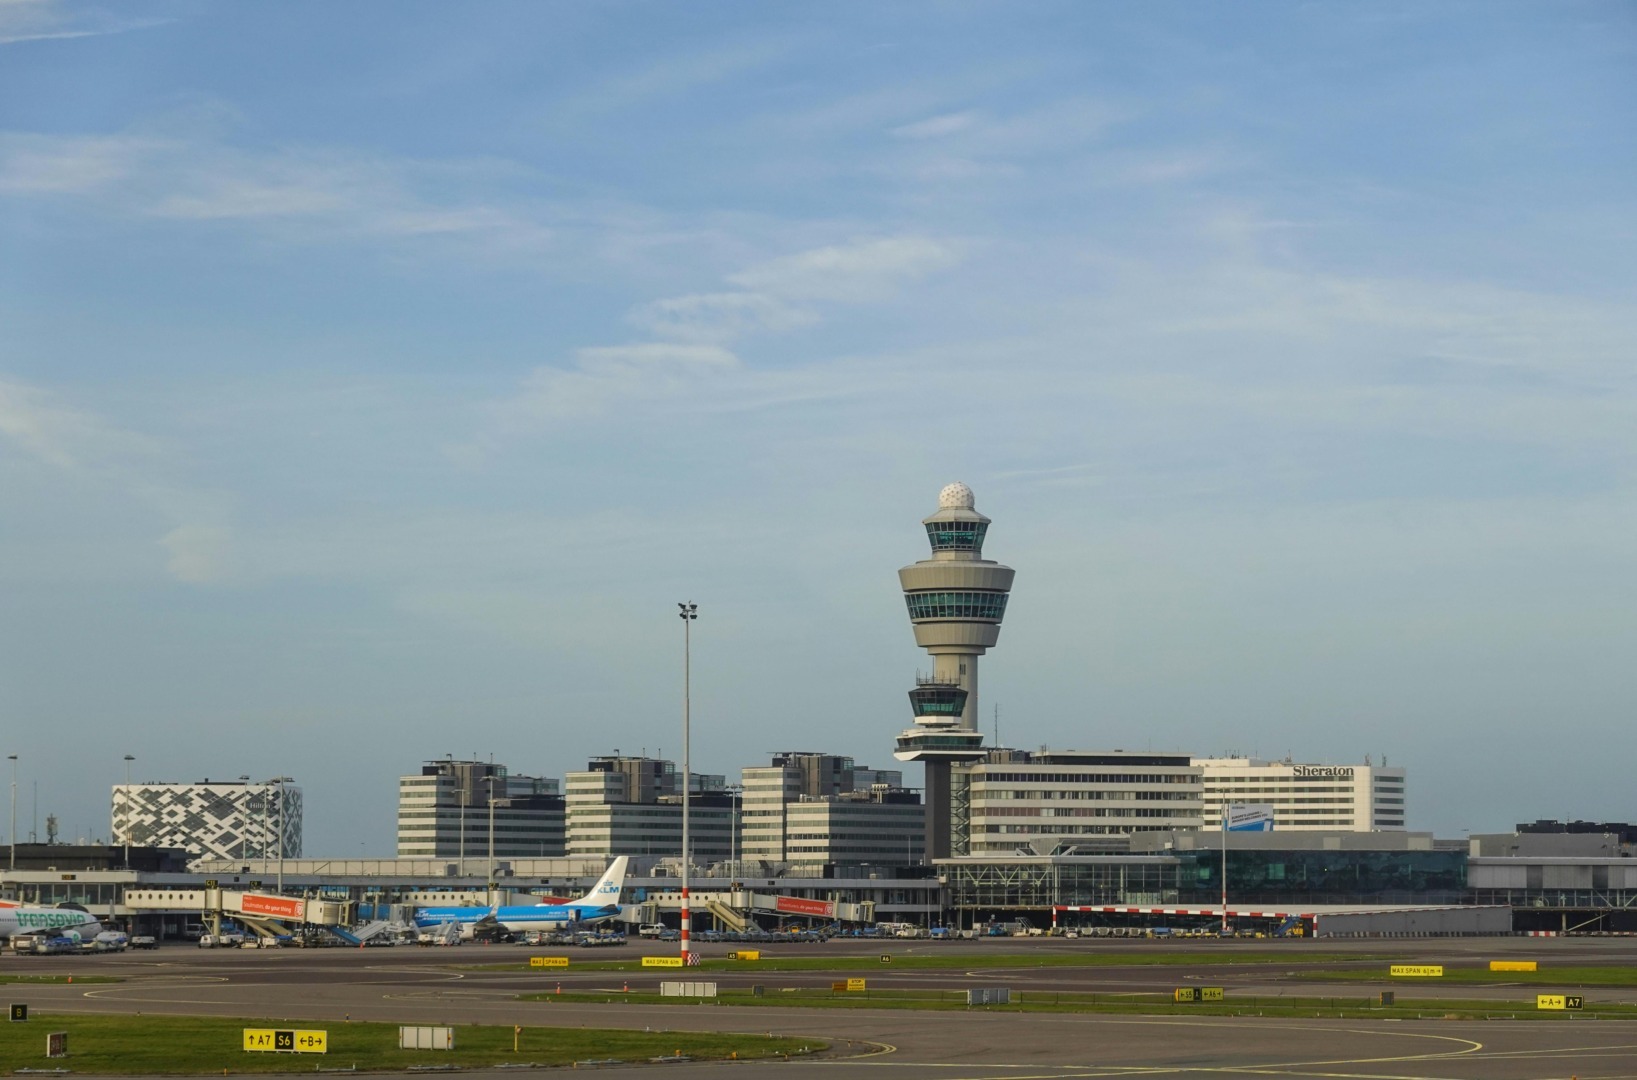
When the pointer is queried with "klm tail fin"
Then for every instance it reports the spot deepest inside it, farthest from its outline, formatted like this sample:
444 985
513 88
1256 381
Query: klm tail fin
607 891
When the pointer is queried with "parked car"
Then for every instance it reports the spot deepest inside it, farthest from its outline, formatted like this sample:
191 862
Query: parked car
143 941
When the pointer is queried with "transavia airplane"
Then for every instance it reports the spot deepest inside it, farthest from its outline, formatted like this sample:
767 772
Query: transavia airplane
602 902
71 923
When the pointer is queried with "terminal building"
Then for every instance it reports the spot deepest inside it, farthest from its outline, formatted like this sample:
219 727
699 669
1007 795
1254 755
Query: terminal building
1074 801
631 805
444 812
811 807
1066 838
1306 797
226 819
808 807
1351 883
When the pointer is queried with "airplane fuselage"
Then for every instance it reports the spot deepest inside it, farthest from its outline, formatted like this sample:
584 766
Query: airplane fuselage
519 919
601 903
43 920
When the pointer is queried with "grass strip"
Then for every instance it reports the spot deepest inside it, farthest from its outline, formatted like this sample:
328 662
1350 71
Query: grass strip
1051 1001
934 962
189 1045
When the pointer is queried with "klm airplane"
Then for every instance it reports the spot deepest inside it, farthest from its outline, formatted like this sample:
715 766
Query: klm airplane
72 923
602 902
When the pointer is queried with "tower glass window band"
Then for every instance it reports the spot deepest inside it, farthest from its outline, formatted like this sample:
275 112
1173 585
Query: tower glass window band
956 605
938 700
956 535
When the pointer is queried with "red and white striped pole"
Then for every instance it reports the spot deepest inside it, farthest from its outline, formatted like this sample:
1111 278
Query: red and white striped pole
690 612
687 955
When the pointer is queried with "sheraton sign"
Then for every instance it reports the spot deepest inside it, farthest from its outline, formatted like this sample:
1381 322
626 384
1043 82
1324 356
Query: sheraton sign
1325 772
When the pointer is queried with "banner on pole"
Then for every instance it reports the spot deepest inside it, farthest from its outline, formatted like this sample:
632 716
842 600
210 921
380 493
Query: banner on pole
1250 818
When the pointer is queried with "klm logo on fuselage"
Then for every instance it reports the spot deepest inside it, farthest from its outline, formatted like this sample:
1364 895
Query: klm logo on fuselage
50 920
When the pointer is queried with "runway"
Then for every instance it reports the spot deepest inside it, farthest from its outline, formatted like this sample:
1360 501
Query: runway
440 986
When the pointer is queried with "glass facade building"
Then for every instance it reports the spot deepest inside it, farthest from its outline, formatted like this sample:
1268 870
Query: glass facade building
1324 877
983 886
979 888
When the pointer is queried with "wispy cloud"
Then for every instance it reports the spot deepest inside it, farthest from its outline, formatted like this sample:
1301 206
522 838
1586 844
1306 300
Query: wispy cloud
609 373
37 423
47 20
1053 127
671 76
69 164
860 270
935 126
719 317
311 194
64 440
199 554
777 295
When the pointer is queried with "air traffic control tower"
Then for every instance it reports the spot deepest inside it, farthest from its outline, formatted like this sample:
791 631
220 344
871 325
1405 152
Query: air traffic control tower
956 600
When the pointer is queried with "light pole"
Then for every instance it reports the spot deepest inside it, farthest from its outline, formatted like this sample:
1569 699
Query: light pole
126 801
689 613
490 880
738 808
280 781
1225 812
13 759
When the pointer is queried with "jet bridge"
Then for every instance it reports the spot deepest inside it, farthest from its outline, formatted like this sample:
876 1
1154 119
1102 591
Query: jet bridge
267 914
736 908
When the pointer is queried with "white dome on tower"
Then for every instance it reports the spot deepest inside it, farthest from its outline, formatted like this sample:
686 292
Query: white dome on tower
956 496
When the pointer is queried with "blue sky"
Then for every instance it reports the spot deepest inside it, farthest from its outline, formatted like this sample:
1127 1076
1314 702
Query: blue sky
375 377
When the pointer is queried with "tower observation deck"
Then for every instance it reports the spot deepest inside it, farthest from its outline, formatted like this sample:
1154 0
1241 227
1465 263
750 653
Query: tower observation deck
956 601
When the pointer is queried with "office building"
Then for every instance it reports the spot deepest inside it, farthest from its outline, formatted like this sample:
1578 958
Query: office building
812 807
1306 797
630 805
224 819
956 600
444 811
1068 801
884 827
655 828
